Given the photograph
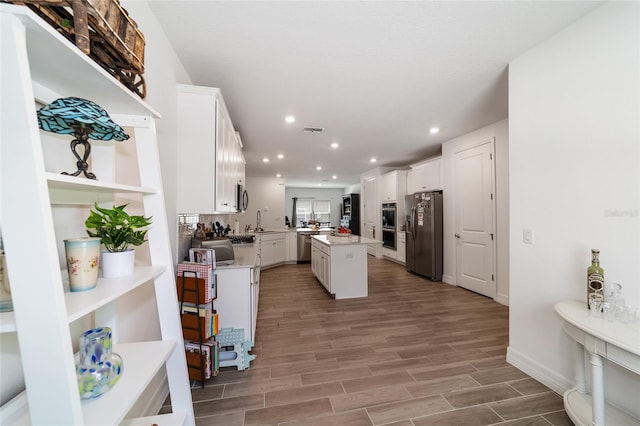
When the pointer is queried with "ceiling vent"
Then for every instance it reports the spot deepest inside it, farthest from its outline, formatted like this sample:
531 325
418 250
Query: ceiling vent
312 130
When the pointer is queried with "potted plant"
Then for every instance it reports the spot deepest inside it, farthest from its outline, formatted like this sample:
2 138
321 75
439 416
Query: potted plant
117 231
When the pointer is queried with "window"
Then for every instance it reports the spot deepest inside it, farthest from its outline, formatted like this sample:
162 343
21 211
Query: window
319 210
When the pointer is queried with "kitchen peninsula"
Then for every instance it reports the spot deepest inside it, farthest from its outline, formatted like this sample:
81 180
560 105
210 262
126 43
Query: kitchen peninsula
340 264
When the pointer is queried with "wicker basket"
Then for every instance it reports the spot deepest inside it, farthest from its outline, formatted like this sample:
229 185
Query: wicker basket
103 30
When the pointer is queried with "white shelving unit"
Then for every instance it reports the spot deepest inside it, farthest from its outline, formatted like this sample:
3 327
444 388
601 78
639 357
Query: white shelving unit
38 64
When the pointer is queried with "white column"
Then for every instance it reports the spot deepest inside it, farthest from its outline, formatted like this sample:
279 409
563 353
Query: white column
597 391
579 368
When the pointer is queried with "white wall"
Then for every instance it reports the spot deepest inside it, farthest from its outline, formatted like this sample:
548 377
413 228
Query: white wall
267 195
163 70
574 179
497 132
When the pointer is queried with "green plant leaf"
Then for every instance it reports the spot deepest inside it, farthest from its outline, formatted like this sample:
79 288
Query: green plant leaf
116 229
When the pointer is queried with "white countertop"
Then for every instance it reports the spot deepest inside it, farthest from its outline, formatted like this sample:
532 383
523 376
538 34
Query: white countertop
245 256
625 336
339 240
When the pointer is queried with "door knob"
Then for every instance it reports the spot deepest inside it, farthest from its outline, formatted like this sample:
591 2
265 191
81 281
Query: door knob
457 235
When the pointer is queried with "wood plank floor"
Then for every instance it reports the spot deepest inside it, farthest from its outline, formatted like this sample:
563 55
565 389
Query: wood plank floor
414 352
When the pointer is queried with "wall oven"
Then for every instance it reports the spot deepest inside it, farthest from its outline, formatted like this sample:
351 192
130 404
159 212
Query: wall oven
389 218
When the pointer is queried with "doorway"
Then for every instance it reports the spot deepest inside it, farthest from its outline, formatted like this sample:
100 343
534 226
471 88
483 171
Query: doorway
474 204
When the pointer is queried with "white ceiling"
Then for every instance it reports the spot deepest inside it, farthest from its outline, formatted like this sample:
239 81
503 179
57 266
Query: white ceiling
375 75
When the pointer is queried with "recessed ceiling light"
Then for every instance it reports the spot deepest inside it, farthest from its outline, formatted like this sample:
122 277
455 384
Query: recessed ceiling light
373 160
334 145
265 160
334 177
434 130
278 175
280 156
290 119
319 168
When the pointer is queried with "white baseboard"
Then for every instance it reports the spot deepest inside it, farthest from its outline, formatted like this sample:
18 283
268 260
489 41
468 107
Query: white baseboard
549 378
448 279
502 299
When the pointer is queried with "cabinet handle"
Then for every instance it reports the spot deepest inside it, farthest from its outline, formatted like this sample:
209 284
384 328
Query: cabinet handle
457 235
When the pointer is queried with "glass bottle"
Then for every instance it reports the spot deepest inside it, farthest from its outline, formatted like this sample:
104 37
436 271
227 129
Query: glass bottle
595 279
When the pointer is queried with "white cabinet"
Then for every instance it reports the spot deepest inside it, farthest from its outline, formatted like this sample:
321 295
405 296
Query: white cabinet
321 263
210 160
389 253
292 247
401 249
394 186
425 176
237 301
40 64
272 248
340 264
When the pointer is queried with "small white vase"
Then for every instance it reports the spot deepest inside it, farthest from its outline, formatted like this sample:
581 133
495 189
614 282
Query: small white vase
118 264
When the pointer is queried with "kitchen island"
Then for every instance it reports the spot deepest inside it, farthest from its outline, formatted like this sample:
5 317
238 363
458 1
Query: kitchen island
340 264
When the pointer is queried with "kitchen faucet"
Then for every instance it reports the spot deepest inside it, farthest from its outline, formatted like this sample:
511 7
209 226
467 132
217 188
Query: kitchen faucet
258 222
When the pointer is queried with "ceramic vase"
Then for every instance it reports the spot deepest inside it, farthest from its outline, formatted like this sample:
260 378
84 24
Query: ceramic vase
6 303
83 260
99 368
118 264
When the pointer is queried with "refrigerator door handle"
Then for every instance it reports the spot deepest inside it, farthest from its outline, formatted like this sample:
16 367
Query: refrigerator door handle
414 230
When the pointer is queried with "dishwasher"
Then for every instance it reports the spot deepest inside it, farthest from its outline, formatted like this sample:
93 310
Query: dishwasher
304 245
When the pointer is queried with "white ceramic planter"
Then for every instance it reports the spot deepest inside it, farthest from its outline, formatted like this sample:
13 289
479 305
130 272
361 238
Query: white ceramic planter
118 264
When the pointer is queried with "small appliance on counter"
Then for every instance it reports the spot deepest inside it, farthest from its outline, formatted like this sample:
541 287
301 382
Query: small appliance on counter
222 247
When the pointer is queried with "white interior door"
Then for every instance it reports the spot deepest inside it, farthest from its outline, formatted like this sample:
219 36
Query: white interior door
473 169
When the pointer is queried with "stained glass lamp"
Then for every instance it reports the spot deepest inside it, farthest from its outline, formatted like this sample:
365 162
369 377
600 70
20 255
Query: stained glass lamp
83 119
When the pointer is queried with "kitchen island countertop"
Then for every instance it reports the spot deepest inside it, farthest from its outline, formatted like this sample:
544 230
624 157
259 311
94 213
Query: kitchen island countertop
346 240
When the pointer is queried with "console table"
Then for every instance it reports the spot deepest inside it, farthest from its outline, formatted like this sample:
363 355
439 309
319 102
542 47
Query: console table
598 338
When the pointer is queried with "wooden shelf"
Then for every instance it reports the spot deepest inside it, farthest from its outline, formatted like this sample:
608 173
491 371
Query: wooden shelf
58 65
65 182
140 362
82 303
578 407
71 190
171 419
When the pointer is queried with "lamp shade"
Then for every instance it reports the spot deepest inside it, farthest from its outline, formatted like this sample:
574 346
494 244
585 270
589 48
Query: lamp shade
66 115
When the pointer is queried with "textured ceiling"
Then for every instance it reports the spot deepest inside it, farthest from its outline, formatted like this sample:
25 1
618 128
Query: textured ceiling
374 75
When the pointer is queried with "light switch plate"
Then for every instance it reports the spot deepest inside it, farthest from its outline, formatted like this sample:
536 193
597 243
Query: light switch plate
527 235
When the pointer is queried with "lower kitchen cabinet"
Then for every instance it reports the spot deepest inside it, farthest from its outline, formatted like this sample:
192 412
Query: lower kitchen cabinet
320 264
273 248
389 253
401 249
237 302
340 264
292 247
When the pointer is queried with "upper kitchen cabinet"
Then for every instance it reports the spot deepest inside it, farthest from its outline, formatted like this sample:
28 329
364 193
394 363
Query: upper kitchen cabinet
210 160
394 186
425 176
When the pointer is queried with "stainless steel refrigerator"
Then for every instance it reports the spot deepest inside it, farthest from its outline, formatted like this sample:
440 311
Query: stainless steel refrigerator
424 234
